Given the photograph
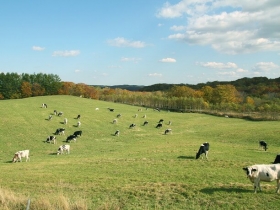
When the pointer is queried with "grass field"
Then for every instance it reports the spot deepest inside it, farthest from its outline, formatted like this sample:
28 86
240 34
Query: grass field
140 169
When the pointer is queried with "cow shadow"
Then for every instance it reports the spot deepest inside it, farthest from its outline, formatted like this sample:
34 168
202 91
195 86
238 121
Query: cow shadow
62 123
53 153
76 126
229 190
9 161
186 157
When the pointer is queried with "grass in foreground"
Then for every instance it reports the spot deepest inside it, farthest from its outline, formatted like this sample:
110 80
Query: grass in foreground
140 169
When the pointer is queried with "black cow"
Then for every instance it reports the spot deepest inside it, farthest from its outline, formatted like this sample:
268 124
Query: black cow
117 133
167 131
71 138
77 133
263 144
159 125
160 121
132 125
145 123
203 149
78 117
51 139
111 110
59 131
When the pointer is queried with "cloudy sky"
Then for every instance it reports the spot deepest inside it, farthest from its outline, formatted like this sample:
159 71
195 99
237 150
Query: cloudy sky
141 42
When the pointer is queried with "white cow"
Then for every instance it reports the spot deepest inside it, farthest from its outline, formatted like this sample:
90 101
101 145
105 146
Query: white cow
21 154
65 121
266 173
63 148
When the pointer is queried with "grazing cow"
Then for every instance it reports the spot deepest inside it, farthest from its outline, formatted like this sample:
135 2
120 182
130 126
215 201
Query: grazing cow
144 116
63 148
203 149
136 115
119 115
266 173
169 123
55 112
263 144
60 114
160 121
167 131
77 133
145 123
111 110
50 117
65 121
21 154
132 125
71 138
44 106
117 133
79 124
78 117
51 139
159 125
60 131
115 121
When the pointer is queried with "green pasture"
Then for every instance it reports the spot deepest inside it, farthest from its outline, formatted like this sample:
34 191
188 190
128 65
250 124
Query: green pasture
140 169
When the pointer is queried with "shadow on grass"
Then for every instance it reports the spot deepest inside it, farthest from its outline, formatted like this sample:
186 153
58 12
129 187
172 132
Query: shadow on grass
186 157
53 153
225 190
9 161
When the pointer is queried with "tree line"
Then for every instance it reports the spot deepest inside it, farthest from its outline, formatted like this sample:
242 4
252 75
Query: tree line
263 98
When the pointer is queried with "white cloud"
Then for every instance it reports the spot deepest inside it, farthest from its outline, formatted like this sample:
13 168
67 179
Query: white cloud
168 60
77 70
122 42
155 75
265 67
216 65
66 53
37 48
230 26
125 59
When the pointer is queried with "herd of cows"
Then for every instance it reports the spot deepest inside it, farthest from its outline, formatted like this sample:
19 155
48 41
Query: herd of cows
255 173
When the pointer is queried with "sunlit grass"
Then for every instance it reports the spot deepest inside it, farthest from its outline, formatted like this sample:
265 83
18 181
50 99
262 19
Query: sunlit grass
140 169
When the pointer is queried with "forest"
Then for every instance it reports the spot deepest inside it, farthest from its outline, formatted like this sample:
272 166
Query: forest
251 98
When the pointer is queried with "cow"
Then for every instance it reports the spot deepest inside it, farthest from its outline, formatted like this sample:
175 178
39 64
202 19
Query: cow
117 133
55 112
203 149
263 145
78 117
51 139
167 131
119 115
50 117
63 148
60 114
71 138
266 173
115 121
136 115
145 123
65 121
21 154
60 131
144 116
44 106
160 121
159 125
111 110
132 125
169 123
77 133
79 124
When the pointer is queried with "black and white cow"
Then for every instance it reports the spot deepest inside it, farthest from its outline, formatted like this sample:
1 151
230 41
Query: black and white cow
145 123
44 106
117 133
21 154
60 131
263 145
160 121
159 125
203 149
63 148
167 131
77 133
50 117
79 124
55 112
132 125
51 139
266 173
71 138
119 115
60 114
65 121
78 117
115 121
111 110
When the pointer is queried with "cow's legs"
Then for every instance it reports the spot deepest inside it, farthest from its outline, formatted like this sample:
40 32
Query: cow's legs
278 185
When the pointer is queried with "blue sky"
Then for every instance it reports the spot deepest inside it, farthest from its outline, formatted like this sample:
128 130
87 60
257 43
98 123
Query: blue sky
141 42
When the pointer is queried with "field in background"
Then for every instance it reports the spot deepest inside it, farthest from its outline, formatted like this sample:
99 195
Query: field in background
140 169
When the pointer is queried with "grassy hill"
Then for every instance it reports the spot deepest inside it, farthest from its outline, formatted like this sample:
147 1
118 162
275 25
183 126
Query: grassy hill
140 169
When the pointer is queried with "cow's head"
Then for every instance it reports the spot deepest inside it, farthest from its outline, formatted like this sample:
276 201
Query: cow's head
16 156
250 171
